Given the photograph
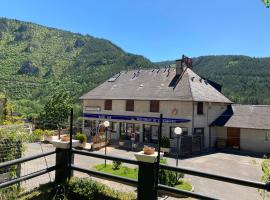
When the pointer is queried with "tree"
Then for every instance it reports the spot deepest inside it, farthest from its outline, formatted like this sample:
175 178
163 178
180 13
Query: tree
266 3
56 110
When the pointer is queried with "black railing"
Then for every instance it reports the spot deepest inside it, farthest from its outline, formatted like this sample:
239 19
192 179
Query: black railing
28 176
162 188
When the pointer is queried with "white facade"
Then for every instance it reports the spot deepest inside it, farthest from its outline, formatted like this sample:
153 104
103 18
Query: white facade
169 109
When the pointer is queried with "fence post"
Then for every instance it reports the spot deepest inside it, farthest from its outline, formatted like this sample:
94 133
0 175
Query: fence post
147 176
62 171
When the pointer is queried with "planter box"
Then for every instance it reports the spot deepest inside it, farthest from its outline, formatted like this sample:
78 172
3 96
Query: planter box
140 156
82 145
65 144
165 150
99 145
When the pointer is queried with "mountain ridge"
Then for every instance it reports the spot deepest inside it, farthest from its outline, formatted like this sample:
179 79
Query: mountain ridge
34 59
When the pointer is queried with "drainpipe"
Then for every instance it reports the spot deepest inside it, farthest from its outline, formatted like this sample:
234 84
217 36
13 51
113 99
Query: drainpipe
192 118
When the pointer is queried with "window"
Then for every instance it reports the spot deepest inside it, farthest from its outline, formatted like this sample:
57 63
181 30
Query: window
267 136
113 127
173 135
198 131
200 108
154 106
108 105
130 105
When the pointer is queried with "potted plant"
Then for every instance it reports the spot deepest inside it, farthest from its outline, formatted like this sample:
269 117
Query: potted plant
82 138
165 144
122 140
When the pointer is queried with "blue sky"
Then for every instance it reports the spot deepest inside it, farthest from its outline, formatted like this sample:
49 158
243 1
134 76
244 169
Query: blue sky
158 29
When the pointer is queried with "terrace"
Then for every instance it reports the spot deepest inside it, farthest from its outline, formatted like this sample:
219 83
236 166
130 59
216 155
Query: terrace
63 166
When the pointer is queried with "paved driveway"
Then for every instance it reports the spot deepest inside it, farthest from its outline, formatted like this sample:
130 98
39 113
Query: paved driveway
244 167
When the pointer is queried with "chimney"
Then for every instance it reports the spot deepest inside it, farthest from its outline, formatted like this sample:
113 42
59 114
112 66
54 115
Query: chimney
179 67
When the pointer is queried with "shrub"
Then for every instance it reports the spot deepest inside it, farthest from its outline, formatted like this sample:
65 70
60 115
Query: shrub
165 142
116 165
81 137
48 133
88 189
167 177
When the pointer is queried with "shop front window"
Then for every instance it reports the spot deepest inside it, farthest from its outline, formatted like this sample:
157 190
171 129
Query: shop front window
154 133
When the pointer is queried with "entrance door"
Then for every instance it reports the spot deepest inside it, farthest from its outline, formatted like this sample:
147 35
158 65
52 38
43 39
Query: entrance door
233 137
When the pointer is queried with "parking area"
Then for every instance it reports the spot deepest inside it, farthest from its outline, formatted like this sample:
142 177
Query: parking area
231 165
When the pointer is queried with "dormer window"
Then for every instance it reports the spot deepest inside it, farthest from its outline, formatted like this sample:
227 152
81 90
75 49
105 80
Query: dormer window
200 108
130 105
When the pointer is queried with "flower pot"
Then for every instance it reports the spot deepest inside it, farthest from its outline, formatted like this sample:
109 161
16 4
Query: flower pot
148 150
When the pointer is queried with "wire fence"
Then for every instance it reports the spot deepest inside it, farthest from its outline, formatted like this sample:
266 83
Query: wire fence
19 141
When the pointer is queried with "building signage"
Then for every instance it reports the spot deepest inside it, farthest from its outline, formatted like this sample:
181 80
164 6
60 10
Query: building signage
135 118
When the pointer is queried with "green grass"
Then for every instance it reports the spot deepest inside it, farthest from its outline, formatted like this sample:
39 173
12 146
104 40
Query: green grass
123 171
184 185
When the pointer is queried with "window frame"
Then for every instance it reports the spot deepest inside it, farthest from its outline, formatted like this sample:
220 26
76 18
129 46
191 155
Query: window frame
130 107
267 136
200 108
154 106
107 105
199 128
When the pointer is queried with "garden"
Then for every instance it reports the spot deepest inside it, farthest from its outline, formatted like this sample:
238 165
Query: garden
166 177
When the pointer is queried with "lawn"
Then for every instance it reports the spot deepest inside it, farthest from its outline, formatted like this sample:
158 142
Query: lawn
184 185
133 173
122 171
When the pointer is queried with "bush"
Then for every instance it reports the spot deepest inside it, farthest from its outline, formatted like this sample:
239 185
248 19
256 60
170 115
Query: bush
165 142
116 165
167 177
88 189
81 137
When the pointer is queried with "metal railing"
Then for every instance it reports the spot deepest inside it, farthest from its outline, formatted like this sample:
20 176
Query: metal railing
132 182
28 176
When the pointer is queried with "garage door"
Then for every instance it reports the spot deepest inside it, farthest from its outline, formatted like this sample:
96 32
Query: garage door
233 137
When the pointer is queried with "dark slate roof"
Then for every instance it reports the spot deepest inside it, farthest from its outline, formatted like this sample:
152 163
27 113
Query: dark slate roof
245 116
154 84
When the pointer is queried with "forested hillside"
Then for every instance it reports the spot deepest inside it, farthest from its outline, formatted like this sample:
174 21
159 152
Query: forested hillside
244 79
34 59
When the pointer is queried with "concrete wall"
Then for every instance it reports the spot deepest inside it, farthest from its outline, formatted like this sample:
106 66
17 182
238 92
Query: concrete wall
254 140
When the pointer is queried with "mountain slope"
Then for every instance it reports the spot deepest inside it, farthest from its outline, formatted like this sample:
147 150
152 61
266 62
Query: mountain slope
244 79
34 58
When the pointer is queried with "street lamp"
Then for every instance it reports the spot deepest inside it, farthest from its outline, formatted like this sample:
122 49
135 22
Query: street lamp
178 131
106 124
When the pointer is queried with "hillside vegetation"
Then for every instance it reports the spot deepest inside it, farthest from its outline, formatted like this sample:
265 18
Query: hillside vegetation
35 59
244 79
